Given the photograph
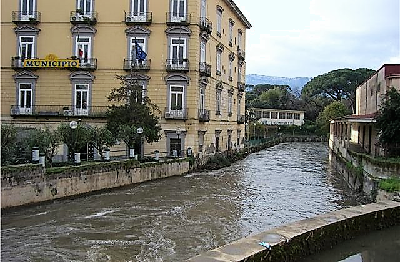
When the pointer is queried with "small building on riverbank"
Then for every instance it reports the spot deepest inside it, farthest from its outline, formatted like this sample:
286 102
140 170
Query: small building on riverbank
358 131
278 116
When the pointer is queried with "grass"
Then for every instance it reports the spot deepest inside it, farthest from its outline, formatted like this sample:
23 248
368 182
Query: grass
390 184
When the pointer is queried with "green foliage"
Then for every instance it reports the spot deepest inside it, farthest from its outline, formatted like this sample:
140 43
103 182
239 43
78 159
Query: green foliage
388 122
8 140
337 84
47 141
75 139
272 96
101 138
134 110
334 110
390 184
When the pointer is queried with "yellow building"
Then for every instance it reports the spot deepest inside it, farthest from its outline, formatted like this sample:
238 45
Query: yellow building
358 131
59 60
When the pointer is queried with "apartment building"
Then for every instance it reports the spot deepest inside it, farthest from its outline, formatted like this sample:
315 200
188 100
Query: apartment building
60 58
358 130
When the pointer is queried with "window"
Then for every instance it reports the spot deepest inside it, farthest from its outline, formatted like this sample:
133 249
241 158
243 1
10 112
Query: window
81 99
230 94
141 42
138 9
178 51
274 115
282 115
239 43
239 76
25 98
202 101
238 138
218 101
85 7
230 70
219 67
27 47
27 9
176 98
239 105
297 116
289 115
265 114
201 141
178 10
203 8
83 49
219 20
202 51
231 23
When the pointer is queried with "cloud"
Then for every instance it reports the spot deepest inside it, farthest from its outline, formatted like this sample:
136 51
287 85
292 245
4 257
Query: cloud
333 34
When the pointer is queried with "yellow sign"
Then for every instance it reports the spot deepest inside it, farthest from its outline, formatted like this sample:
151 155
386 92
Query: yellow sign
52 61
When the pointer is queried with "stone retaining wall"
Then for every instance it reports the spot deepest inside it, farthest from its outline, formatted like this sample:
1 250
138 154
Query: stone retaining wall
30 184
297 240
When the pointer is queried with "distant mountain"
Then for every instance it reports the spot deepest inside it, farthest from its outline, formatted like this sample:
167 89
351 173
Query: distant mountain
295 83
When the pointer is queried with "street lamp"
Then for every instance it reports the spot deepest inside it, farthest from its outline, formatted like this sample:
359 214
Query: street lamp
140 132
178 133
77 156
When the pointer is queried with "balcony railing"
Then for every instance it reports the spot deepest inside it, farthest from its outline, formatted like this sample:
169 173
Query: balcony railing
18 62
19 17
134 64
205 25
204 115
241 119
88 63
78 17
59 111
141 18
178 19
241 53
205 69
181 114
241 86
177 65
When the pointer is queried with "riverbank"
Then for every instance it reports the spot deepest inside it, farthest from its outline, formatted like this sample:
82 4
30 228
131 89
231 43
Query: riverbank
297 240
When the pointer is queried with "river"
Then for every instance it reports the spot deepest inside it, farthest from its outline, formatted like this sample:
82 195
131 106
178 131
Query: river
176 218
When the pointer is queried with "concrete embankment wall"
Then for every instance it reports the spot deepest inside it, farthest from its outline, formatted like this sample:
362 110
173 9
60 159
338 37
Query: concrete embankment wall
30 184
294 241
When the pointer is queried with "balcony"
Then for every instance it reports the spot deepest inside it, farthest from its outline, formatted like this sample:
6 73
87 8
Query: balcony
204 115
205 25
26 17
204 69
89 64
141 18
78 17
17 62
178 19
135 65
180 114
241 86
241 53
177 65
59 111
241 119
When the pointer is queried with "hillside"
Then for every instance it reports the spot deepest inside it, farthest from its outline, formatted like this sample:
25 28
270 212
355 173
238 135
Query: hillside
295 83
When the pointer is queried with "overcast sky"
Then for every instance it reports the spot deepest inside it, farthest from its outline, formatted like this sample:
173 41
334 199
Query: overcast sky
312 37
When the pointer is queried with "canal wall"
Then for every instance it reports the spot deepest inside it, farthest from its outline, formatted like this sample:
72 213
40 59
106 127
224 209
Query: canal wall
362 172
29 184
297 240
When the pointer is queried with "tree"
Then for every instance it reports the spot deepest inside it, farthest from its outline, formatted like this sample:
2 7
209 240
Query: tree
101 138
388 122
75 139
133 111
334 110
8 140
337 85
47 141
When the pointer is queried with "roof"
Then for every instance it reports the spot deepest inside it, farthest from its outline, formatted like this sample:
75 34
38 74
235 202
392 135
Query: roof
239 13
368 118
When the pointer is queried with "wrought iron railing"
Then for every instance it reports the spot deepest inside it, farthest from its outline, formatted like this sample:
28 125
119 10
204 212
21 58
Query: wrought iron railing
176 113
59 110
205 25
204 115
205 69
132 18
79 17
241 53
178 19
134 64
177 64
26 17
241 119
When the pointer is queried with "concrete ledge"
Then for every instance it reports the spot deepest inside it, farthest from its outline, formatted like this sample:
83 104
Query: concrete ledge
293 241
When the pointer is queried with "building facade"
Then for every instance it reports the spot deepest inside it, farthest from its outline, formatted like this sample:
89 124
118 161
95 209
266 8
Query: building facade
278 116
358 131
60 58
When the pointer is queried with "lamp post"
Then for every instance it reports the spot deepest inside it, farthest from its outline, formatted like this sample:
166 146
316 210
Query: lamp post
178 133
140 132
77 156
